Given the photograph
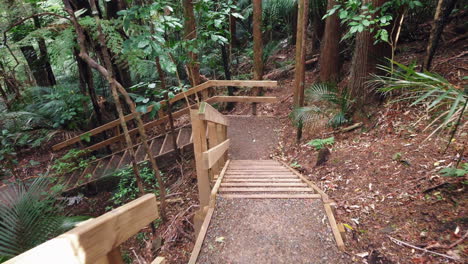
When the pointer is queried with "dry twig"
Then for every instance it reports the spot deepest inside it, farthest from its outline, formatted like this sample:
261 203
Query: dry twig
402 243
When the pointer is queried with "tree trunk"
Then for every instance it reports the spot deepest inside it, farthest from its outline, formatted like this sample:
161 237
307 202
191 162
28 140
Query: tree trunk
233 31
5 97
365 59
227 75
162 78
318 30
330 59
107 73
299 74
443 10
190 31
44 56
37 66
257 48
87 85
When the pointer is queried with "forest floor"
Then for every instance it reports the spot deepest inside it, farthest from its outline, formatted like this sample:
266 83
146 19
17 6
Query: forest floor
383 176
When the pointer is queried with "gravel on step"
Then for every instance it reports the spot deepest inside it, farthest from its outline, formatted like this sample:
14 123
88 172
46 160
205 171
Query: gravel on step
270 231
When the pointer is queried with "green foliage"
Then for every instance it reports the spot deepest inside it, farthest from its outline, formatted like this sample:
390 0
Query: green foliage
319 144
127 188
30 216
324 102
61 106
427 89
74 160
454 172
360 17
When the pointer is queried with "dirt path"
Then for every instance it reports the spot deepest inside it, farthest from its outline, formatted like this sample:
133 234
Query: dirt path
267 214
252 137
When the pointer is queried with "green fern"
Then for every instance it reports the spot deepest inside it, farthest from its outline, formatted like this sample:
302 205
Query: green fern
324 103
28 217
427 89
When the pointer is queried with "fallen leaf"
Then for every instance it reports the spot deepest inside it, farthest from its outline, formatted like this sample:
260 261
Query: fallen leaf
220 239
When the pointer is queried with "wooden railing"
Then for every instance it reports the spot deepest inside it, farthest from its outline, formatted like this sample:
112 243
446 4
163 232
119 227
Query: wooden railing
210 145
96 240
114 126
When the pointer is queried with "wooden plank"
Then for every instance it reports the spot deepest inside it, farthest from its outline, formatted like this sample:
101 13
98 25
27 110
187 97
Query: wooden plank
242 83
176 98
214 191
221 137
199 147
209 113
264 184
211 156
159 260
249 170
93 240
265 189
271 196
247 176
325 197
135 130
259 180
201 237
334 227
245 99
212 142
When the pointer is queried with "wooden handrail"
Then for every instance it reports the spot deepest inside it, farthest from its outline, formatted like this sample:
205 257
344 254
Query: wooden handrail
97 240
208 113
179 96
211 156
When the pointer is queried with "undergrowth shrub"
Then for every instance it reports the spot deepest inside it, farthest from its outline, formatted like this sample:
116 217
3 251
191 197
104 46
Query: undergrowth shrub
127 188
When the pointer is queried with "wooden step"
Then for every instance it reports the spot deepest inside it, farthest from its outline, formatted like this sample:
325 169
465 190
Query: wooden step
272 196
156 145
259 172
260 180
125 160
167 144
184 136
113 164
265 189
140 153
264 184
250 176
87 174
100 168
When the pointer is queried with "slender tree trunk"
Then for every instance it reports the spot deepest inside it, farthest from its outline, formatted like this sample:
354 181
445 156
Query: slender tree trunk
318 30
162 78
5 97
227 75
330 59
114 84
257 48
44 56
365 59
190 31
443 10
299 73
39 66
87 85
233 31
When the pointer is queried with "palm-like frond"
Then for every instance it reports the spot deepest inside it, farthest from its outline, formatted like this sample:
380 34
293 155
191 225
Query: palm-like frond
28 217
428 89
326 103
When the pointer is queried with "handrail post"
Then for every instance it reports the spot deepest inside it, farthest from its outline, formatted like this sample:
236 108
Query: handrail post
203 181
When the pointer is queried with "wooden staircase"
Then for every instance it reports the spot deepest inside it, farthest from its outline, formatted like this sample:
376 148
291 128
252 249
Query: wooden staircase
263 179
161 147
